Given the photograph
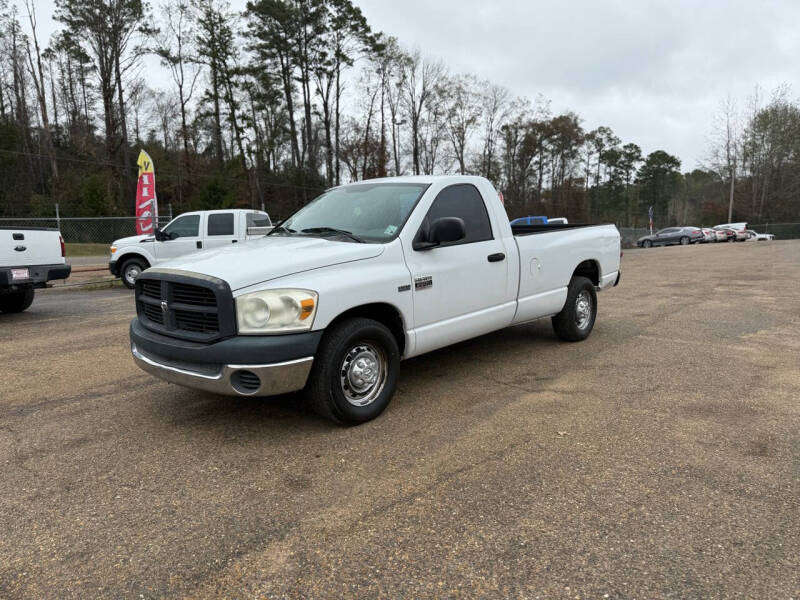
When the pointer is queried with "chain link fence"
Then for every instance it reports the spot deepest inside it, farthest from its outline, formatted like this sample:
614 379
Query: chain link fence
84 230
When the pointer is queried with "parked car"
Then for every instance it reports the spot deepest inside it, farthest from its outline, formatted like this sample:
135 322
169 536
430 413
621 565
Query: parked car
671 236
365 275
185 234
721 234
739 230
728 234
29 258
754 236
709 235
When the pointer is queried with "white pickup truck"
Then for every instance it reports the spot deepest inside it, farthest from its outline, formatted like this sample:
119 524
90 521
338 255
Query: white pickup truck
365 275
187 233
29 258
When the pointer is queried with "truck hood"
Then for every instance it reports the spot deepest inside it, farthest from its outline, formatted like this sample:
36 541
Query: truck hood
134 239
263 259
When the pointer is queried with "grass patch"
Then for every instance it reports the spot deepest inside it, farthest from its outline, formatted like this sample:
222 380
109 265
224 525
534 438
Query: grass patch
86 249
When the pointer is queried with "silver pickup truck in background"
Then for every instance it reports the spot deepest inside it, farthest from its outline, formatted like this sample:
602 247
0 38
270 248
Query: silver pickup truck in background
29 258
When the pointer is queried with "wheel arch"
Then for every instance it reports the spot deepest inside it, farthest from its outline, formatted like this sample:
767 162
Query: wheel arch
134 254
383 312
590 269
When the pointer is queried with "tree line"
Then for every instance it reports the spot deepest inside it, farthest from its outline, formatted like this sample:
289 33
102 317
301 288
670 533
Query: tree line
273 105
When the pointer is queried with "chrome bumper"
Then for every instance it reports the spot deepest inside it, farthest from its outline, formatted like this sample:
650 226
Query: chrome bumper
230 380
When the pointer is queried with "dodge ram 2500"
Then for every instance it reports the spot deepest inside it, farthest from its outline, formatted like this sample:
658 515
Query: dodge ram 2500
365 275
29 258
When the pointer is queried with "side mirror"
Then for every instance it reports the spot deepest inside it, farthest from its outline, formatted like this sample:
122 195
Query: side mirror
442 231
158 234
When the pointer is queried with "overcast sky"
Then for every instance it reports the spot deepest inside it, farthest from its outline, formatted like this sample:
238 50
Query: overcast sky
655 72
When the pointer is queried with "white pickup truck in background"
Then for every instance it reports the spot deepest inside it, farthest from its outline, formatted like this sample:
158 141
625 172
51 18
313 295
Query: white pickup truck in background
365 275
187 233
29 258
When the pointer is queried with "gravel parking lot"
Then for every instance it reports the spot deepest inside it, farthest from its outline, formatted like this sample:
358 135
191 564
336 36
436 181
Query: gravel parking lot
660 458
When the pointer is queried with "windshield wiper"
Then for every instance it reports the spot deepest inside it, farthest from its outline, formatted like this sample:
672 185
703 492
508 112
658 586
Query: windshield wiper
279 228
349 234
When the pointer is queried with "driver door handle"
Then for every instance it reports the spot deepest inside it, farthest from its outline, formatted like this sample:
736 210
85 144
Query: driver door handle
199 244
496 257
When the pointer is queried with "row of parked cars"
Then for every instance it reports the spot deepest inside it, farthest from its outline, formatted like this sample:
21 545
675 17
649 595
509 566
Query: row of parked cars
727 232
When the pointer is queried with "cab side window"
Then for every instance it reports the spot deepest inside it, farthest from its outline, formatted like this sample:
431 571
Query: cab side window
465 202
220 224
188 226
258 220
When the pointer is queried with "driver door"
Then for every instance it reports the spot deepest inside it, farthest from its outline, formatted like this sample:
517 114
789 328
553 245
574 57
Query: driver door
459 288
186 233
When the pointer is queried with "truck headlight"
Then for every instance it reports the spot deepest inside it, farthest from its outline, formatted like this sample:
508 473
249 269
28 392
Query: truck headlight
275 311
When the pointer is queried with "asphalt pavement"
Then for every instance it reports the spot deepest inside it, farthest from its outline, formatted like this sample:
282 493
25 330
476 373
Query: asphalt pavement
658 459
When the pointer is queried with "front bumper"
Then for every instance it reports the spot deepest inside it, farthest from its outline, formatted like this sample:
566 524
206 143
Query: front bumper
113 268
237 366
39 275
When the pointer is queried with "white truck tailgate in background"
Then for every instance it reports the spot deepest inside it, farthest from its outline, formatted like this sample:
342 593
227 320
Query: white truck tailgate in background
37 247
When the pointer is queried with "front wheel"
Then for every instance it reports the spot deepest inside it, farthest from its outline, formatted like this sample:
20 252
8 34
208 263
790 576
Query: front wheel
647 244
576 320
131 269
355 371
16 302
684 241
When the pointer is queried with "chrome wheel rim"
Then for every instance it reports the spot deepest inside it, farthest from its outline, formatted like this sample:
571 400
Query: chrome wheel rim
131 273
583 309
362 374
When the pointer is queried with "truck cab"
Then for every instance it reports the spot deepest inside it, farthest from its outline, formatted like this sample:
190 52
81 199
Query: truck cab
187 233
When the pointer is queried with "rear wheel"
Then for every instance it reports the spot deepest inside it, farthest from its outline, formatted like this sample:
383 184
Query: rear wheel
355 372
576 320
131 269
684 241
16 302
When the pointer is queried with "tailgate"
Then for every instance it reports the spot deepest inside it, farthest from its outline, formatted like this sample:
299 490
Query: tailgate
29 247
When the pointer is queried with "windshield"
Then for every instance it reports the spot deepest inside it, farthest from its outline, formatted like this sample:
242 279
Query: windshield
368 212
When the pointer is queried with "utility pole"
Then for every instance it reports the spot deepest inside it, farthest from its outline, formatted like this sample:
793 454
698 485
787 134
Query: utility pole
733 183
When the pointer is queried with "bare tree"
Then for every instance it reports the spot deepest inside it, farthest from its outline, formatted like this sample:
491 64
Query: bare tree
40 86
420 77
175 45
495 108
462 114
725 146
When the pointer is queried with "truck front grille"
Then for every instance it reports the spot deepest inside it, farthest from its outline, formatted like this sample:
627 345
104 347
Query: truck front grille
153 313
201 322
199 309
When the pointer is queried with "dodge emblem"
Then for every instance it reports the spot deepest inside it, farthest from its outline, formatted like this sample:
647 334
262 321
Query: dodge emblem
164 307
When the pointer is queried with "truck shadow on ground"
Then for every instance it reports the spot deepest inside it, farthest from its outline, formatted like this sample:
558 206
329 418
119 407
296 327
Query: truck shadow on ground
451 365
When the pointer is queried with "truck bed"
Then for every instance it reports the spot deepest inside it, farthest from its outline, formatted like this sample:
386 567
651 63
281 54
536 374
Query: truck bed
521 230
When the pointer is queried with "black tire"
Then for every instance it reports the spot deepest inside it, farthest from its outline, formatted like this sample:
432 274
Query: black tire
732 238
130 270
567 324
16 302
647 244
685 241
329 380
